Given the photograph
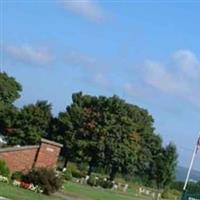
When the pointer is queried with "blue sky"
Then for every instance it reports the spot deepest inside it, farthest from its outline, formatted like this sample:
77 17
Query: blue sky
144 51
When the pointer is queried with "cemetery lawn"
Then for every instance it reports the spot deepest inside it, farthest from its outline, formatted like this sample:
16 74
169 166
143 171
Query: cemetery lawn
15 193
88 193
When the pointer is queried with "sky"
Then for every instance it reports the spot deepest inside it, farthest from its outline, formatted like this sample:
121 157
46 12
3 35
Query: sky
146 52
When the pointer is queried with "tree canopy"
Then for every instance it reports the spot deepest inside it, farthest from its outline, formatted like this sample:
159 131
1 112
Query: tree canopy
31 124
9 89
108 132
103 132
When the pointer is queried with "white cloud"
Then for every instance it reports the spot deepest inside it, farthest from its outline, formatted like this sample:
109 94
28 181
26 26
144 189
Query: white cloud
80 59
188 62
28 54
134 90
86 8
182 78
93 70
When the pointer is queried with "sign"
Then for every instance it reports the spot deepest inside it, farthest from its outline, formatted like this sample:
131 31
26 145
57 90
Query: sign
50 149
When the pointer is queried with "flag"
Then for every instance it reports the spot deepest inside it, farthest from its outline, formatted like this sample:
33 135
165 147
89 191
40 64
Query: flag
198 145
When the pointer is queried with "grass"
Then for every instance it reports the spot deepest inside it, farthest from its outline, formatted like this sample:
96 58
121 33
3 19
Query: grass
71 189
89 193
15 193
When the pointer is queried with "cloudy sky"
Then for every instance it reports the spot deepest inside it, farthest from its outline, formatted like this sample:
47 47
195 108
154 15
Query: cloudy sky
144 51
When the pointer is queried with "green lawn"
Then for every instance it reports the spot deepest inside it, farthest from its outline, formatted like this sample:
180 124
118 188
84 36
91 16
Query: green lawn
72 189
15 193
89 193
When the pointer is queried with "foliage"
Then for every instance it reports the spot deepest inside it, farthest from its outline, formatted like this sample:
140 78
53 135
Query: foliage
67 175
92 181
18 175
47 179
104 133
170 194
78 174
4 171
109 133
99 130
163 166
9 89
104 183
32 124
192 188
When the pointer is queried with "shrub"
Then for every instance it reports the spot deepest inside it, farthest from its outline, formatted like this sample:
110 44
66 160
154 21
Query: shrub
67 175
72 166
170 194
78 174
104 183
92 181
47 179
82 167
17 175
4 171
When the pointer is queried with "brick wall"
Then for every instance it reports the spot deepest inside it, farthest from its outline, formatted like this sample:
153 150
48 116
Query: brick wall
19 158
48 154
24 158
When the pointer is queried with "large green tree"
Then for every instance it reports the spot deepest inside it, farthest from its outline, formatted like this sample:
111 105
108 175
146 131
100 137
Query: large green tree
32 124
9 91
103 131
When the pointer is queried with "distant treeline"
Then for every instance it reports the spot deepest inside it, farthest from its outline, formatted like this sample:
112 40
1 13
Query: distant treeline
103 132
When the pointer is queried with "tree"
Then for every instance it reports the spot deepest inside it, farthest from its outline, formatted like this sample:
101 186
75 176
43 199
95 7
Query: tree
170 164
102 131
32 124
9 91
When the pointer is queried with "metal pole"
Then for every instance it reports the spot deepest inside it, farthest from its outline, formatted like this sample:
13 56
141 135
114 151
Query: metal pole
190 168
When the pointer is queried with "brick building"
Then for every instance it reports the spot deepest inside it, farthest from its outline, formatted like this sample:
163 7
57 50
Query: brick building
25 158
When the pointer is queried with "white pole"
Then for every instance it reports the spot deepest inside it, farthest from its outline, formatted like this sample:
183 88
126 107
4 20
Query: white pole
190 168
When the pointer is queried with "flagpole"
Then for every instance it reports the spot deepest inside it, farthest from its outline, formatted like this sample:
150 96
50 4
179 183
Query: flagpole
191 164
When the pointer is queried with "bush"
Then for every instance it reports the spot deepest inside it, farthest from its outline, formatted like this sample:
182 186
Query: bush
67 175
72 167
170 194
78 174
17 175
4 171
47 179
104 183
92 181
83 167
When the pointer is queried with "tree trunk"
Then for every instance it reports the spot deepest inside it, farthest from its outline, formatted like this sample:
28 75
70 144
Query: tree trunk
113 173
66 160
91 166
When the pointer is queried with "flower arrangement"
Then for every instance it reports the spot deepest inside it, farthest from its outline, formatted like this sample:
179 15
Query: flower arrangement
28 186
